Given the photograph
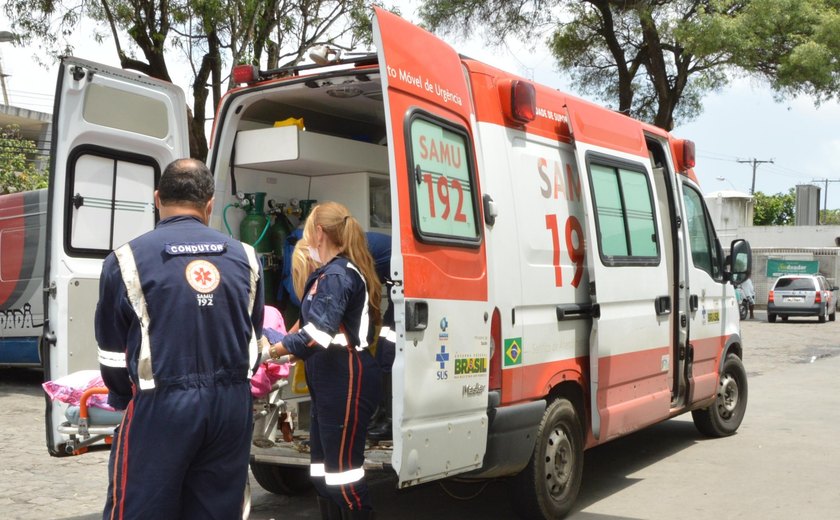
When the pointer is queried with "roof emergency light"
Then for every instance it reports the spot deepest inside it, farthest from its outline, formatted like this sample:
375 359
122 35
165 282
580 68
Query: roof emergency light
519 100
684 154
245 74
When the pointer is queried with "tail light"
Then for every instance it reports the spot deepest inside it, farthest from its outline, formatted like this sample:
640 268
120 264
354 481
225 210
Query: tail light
496 353
818 297
770 297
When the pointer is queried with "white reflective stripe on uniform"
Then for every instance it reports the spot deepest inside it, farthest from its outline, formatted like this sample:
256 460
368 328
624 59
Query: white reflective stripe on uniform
320 337
134 291
253 347
112 359
316 469
365 320
339 339
345 477
388 334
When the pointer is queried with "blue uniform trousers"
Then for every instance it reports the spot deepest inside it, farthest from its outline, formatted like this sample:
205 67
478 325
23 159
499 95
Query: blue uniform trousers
344 385
181 452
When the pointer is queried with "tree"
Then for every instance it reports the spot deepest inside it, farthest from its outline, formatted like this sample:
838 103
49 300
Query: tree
794 44
774 210
630 53
18 156
830 217
212 34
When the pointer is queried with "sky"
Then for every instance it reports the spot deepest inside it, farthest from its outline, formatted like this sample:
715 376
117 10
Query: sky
742 122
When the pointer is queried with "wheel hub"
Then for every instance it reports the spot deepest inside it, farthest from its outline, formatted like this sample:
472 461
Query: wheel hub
558 462
727 395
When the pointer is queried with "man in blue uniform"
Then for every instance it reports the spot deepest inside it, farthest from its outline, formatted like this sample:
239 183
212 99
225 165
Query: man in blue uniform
380 427
179 315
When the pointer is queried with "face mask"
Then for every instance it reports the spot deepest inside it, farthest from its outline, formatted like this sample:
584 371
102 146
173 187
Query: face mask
313 254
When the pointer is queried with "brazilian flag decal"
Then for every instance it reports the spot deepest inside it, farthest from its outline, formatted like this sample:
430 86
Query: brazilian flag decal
513 352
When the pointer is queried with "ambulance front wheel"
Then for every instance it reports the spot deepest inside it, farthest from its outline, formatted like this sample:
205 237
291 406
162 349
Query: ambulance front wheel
724 417
549 484
282 480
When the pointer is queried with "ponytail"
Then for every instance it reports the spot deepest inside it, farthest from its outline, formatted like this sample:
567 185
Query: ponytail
356 249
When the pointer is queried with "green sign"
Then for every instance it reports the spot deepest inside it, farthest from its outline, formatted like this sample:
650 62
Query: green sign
777 267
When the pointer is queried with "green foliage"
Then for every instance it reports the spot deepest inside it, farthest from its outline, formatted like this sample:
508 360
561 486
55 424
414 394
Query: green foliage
17 162
794 44
830 217
774 210
630 55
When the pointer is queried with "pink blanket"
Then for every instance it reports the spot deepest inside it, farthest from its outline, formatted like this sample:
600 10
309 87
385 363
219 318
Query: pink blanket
268 373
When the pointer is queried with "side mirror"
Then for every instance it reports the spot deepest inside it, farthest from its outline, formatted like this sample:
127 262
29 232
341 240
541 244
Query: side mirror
740 260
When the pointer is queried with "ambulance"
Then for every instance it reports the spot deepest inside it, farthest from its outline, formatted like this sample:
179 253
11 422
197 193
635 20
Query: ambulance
23 218
557 279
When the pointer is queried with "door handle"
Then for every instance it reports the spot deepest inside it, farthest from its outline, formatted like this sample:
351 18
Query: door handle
662 305
574 311
693 302
416 315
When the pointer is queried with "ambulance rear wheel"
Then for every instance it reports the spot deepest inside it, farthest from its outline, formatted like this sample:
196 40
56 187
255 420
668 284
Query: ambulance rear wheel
724 417
282 480
549 485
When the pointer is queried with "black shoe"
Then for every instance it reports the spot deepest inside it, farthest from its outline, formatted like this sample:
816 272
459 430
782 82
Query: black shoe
382 431
329 509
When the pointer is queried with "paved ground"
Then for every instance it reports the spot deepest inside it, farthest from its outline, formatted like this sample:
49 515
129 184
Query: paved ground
782 464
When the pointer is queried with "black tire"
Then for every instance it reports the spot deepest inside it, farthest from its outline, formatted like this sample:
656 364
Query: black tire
549 485
743 311
724 417
282 480
822 316
771 318
832 316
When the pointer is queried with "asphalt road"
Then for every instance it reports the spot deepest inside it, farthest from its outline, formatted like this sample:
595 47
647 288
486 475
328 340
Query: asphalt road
783 462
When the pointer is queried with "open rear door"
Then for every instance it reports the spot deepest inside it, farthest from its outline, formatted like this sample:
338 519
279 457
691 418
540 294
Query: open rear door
114 132
440 374
630 356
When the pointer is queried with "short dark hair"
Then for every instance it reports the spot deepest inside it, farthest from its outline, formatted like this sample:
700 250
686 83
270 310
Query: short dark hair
187 182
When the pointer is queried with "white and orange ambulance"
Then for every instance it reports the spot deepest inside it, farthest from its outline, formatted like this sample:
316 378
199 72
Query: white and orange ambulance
558 282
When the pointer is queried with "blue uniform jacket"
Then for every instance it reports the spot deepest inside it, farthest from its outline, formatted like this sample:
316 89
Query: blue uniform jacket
334 295
180 306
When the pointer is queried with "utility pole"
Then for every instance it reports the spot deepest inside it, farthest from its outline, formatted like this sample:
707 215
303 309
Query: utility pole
825 204
755 162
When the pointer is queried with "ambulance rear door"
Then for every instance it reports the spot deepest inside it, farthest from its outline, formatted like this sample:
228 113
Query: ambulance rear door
630 354
442 316
114 131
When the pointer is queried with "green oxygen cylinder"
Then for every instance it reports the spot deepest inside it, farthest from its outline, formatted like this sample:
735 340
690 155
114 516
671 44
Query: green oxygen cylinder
306 206
279 230
254 227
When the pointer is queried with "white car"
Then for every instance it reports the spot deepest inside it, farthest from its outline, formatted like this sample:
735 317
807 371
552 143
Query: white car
801 295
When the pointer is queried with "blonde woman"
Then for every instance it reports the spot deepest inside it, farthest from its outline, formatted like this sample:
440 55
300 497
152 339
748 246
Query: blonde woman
340 305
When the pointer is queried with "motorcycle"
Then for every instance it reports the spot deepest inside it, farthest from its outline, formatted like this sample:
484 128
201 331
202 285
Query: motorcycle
743 302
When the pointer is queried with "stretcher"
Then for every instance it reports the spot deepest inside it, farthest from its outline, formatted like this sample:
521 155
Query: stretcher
87 425
272 417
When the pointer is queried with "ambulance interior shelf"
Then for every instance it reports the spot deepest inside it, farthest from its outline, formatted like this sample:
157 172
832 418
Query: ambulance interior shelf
290 164
288 149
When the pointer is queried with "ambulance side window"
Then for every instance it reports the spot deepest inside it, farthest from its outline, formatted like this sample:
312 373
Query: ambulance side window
442 178
623 203
110 200
701 235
